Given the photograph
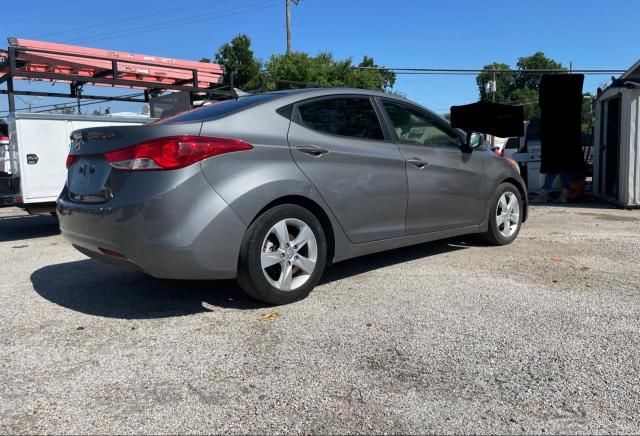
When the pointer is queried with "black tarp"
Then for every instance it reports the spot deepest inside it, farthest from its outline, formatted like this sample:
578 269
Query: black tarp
560 123
491 118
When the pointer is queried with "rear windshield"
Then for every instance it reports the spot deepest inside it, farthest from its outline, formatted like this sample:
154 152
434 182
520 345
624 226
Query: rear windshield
219 109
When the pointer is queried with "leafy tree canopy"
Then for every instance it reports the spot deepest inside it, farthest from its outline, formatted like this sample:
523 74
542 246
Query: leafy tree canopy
321 70
537 61
518 87
325 70
66 110
236 56
504 82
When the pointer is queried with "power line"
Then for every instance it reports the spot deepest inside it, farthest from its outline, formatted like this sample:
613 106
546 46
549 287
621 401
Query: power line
173 23
53 105
125 20
63 105
473 71
67 105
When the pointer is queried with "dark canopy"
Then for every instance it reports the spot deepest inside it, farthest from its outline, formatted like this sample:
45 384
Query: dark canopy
491 118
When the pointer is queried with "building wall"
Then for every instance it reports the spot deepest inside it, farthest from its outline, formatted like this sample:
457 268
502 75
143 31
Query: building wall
634 147
629 156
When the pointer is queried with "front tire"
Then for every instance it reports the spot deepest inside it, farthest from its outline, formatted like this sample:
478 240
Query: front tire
283 255
505 216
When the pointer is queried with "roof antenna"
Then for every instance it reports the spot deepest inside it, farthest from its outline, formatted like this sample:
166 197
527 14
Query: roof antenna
237 92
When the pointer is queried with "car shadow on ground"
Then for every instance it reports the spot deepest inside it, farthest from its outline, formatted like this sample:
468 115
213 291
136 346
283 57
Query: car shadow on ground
362 265
94 288
588 202
21 227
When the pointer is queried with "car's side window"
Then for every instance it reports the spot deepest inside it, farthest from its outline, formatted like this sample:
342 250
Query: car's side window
415 127
344 116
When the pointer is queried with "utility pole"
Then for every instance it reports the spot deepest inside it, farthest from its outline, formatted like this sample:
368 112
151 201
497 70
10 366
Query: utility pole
28 103
288 23
494 88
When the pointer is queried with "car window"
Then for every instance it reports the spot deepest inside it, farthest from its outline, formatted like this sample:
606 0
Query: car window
219 109
512 143
415 127
345 116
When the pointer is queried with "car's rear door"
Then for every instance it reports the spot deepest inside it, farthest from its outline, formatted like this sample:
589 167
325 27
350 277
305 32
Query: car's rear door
446 185
338 142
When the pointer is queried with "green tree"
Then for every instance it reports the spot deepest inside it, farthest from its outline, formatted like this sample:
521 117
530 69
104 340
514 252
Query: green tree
65 110
381 79
588 112
297 67
538 61
237 57
528 99
521 86
324 70
504 82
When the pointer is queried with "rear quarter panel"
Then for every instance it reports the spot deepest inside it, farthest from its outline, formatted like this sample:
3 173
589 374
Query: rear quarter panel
250 180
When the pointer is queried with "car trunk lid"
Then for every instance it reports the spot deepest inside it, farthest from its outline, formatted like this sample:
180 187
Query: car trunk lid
91 179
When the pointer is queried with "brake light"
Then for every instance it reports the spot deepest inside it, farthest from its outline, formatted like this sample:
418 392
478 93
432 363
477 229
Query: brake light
172 152
70 160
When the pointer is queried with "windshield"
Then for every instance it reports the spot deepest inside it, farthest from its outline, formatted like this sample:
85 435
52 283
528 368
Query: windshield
219 109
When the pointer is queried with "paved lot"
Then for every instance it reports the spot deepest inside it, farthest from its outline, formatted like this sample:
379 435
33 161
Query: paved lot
540 336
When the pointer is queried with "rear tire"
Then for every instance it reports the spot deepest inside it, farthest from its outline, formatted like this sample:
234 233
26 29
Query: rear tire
283 255
505 216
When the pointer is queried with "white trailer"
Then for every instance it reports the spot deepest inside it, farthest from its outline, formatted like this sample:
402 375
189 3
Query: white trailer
38 148
4 154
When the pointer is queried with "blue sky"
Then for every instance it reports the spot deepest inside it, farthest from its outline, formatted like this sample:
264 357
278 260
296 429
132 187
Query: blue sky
400 33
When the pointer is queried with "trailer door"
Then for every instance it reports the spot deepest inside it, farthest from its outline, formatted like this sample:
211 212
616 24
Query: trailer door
43 146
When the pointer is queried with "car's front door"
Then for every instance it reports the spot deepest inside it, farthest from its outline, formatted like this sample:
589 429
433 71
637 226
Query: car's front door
338 142
446 185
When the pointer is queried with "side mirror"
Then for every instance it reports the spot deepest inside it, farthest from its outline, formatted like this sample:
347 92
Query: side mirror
474 140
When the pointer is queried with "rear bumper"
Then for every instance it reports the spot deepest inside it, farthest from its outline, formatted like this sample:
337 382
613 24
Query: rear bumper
169 224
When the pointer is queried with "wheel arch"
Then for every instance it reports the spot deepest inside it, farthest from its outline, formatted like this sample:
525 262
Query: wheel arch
523 195
504 178
316 210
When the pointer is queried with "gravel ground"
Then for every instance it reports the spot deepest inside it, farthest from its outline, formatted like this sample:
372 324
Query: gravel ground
446 337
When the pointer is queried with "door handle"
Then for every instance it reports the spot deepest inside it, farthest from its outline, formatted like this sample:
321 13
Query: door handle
312 150
418 163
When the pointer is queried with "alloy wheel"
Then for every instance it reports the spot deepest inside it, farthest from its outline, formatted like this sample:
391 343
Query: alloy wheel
289 254
508 214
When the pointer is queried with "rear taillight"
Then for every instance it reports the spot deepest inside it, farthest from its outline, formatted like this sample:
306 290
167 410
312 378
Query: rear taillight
70 160
172 152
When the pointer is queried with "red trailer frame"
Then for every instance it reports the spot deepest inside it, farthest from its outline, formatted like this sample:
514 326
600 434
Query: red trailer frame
36 60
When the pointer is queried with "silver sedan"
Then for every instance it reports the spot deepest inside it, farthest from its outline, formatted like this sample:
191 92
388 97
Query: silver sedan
271 188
